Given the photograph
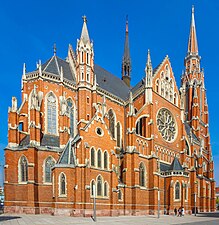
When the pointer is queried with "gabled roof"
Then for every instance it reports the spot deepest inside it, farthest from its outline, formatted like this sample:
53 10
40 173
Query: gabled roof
176 165
111 83
68 156
54 64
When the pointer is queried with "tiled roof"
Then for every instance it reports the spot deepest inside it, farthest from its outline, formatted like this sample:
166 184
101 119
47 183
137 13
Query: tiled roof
54 64
50 140
68 155
176 165
111 83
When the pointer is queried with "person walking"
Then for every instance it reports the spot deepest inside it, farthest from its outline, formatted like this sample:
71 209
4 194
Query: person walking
183 211
175 212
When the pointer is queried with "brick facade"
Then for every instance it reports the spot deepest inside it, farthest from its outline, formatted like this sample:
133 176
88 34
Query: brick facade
134 143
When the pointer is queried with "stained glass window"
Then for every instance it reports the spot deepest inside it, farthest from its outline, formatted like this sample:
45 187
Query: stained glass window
51 114
49 163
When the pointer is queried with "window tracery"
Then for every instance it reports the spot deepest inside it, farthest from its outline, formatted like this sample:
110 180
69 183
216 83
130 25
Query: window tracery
166 125
51 114
49 163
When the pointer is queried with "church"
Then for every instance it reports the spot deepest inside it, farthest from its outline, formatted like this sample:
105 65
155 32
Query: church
83 135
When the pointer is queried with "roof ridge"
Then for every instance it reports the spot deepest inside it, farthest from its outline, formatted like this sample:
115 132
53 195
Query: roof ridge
48 63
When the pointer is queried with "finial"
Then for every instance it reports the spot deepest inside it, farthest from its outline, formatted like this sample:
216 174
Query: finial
84 18
54 49
24 69
193 9
127 24
40 68
61 74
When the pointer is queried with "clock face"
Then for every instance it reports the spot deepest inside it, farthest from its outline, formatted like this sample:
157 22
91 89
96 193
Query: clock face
166 125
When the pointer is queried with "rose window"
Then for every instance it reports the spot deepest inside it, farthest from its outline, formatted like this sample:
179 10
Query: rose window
166 125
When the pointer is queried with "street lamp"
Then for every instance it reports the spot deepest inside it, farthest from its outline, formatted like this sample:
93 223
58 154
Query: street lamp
94 205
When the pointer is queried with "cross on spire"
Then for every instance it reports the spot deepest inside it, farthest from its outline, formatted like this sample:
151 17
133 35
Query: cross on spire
84 18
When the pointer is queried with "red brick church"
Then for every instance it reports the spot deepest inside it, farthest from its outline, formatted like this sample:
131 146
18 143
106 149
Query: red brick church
80 132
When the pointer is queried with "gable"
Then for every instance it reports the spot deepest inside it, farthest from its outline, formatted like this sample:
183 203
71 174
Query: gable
164 83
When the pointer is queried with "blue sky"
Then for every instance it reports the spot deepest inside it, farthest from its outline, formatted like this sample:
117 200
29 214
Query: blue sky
30 28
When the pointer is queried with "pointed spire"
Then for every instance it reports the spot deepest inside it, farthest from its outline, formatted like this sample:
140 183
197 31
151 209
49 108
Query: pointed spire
54 49
84 33
24 71
192 44
126 60
40 68
148 68
126 55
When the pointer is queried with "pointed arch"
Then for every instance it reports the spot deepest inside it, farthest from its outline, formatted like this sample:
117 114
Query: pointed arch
51 113
93 157
142 174
23 169
99 158
112 122
99 185
48 164
71 114
118 134
105 161
177 191
62 184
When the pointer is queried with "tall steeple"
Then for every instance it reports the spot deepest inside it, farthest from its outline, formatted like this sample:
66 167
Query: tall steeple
84 33
126 61
192 59
192 44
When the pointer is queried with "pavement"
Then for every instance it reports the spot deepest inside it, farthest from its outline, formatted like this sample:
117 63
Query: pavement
24 219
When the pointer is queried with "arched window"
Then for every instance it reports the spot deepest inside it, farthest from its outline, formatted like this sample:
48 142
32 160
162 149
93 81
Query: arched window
51 114
21 126
23 169
157 86
142 174
70 111
62 184
187 148
120 194
92 156
92 187
177 191
105 189
99 159
99 186
105 160
49 163
112 122
118 135
141 127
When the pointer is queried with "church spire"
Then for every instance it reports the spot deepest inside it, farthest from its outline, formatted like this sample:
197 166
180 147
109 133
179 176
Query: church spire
84 33
193 43
126 61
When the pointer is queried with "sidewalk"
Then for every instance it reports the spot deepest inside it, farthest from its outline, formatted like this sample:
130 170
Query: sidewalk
20 219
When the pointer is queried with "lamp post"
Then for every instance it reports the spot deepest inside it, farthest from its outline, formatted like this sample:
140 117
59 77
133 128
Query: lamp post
158 198
94 205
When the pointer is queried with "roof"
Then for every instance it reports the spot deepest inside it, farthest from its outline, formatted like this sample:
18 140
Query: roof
54 65
188 131
68 155
175 166
46 140
111 83
50 140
